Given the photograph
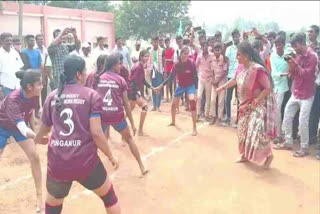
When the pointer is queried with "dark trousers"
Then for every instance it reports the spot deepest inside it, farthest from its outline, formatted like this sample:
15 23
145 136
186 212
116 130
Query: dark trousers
156 98
228 102
314 117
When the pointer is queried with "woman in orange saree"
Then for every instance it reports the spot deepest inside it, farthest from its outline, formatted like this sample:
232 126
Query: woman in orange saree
257 110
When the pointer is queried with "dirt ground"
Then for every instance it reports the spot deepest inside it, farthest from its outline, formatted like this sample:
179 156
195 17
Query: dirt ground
188 175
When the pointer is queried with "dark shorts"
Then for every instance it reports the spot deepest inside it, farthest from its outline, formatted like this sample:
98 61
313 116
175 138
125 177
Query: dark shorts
119 127
60 189
181 90
6 134
134 96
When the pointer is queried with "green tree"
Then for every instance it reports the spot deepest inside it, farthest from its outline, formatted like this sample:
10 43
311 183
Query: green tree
144 19
103 6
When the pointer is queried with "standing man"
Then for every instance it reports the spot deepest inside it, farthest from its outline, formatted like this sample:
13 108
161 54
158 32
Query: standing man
314 45
168 55
302 70
136 52
100 49
231 54
206 75
279 73
155 69
46 69
124 52
86 55
10 63
58 51
33 54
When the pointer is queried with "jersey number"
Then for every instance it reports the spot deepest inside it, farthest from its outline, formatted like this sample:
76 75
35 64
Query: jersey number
67 121
108 98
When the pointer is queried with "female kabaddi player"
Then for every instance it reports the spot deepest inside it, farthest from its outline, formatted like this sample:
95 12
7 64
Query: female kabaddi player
113 88
185 71
15 116
136 81
74 112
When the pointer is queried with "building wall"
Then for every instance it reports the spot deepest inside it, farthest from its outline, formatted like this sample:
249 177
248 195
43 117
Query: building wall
44 19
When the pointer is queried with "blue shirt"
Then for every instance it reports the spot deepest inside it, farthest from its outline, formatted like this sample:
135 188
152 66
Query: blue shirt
279 66
231 53
34 58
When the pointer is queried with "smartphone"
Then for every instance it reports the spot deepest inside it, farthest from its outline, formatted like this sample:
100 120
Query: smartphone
228 44
197 28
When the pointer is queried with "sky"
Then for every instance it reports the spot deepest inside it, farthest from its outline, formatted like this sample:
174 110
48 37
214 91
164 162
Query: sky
290 15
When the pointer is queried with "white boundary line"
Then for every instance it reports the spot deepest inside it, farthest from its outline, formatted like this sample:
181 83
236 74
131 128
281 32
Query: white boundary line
145 157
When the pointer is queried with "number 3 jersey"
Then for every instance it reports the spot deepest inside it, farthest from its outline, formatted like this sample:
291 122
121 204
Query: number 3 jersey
72 154
111 87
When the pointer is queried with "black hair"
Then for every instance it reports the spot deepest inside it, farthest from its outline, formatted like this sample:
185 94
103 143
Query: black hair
280 39
202 36
282 33
28 77
112 60
167 40
29 36
155 38
118 38
56 31
99 38
218 33
15 40
72 65
178 37
246 48
3 36
204 43
142 53
315 28
186 41
272 34
183 49
217 45
298 38
211 38
101 62
235 31
38 35
257 44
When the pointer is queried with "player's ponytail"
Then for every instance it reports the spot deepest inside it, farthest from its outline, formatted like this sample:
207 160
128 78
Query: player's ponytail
72 65
101 61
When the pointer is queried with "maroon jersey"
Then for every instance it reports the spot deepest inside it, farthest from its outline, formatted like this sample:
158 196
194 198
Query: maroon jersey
90 79
16 108
185 73
111 87
136 78
72 154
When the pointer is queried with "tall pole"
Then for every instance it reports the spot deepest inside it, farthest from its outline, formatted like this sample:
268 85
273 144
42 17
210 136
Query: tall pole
20 19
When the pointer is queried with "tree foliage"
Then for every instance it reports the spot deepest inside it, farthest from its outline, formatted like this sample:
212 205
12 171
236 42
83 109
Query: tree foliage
144 19
103 6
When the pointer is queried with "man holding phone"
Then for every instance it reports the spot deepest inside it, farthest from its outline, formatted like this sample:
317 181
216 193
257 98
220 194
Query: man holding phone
58 51
302 70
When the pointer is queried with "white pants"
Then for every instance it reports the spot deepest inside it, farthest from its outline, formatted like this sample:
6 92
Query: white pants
221 97
204 86
292 108
279 98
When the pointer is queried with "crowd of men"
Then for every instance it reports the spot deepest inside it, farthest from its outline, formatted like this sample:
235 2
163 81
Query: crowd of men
297 94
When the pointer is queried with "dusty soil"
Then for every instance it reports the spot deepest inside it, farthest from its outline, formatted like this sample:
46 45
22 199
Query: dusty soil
188 175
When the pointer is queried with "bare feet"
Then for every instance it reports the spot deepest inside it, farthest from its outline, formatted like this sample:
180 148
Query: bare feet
172 124
158 110
242 160
144 172
40 206
140 133
195 132
153 109
268 162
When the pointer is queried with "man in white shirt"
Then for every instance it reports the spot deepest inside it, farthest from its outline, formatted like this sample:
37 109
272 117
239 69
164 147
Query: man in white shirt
10 63
124 52
136 52
100 49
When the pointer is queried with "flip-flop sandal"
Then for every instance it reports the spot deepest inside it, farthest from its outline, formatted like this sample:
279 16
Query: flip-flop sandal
282 147
300 154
